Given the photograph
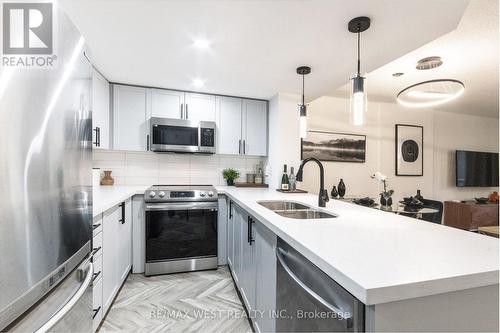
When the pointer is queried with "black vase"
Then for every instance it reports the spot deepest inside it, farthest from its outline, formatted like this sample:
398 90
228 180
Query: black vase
230 182
384 202
341 188
334 192
419 196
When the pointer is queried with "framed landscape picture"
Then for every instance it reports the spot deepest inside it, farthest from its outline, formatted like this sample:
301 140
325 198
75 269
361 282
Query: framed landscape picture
409 150
335 147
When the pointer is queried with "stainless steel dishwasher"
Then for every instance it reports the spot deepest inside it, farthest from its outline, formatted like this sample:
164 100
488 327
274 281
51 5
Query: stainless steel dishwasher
308 300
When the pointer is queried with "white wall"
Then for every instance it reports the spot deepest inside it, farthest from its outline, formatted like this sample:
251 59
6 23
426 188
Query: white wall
443 134
284 140
148 168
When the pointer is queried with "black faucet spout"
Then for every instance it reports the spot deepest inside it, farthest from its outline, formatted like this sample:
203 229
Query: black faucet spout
323 194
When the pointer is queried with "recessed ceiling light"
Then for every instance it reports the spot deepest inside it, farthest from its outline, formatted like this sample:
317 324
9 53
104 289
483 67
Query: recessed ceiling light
198 83
429 63
398 74
431 93
201 43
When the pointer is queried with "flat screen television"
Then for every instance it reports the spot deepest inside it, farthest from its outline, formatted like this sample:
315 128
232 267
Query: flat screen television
476 169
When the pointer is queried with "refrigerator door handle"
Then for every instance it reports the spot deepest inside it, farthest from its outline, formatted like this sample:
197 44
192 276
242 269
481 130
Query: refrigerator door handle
71 303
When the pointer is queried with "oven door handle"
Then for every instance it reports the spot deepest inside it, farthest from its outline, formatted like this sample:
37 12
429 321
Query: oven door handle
183 206
340 314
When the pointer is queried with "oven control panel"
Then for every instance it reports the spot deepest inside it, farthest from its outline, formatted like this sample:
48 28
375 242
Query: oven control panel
180 193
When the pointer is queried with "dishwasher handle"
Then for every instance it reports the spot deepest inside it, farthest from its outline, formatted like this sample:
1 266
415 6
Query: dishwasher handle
340 314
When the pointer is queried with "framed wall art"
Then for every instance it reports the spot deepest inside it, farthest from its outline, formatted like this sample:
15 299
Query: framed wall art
409 150
336 147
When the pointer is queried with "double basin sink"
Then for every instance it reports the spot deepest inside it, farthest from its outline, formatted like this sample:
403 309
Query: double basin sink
295 210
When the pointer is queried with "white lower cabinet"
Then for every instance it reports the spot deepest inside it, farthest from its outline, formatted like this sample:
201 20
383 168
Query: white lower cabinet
252 262
116 250
97 278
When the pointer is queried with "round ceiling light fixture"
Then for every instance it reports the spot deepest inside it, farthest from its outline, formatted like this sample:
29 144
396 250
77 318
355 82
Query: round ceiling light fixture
430 93
429 63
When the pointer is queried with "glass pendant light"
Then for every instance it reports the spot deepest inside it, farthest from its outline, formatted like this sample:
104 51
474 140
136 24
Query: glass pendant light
303 70
358 101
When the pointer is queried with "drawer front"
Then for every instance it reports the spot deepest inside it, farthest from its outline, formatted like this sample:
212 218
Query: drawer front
97 312
97 245
97 224
484 216
97 268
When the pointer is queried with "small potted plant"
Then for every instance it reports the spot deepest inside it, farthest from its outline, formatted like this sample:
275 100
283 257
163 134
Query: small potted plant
230 175
385 196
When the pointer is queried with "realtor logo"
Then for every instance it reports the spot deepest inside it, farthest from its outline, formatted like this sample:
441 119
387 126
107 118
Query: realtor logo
28 34
27 28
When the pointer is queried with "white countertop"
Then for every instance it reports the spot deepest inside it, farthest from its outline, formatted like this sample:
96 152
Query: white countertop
379 256
106 197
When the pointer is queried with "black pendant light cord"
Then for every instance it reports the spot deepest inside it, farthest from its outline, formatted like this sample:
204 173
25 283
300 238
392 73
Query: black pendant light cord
303 103
359 66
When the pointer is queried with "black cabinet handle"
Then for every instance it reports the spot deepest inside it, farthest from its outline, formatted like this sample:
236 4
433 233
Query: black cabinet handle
95 226
250 238
96 311
97 131
95 276
230 209
122 220
147 142
94 251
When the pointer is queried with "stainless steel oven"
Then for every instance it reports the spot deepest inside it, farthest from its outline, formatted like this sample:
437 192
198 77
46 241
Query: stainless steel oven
181 229
311 301
182 135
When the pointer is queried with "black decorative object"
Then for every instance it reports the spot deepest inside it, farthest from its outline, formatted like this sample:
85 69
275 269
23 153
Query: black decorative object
384 201
334 192
409 150
341 188
419 196
334 147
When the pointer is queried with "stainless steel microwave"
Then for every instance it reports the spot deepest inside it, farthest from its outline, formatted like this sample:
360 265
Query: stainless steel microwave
181 135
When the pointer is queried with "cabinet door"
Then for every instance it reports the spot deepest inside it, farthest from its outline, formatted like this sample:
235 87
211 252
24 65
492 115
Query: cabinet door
222 231
100 111
265 292
248 272
130 111
110 283
229 125
124 237
230 235
237 232
255 127
167 103
199 107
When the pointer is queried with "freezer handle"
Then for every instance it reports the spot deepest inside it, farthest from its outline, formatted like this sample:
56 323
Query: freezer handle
71 303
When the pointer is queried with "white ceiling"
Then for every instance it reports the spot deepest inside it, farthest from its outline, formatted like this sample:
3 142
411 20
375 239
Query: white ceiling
255 45
469 54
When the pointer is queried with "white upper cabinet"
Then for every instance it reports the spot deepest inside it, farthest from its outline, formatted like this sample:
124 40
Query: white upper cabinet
167 103
229 125
131 111
254 127
101 129
199 107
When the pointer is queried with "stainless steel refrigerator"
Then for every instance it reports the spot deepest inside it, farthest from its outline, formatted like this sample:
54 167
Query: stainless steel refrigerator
46 191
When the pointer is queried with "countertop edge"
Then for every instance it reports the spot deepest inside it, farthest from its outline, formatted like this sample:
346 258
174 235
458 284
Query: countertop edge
373 296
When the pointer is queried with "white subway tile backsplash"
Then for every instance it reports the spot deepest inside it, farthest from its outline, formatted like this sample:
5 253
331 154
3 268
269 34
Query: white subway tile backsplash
147 168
